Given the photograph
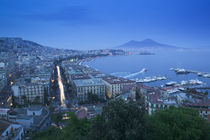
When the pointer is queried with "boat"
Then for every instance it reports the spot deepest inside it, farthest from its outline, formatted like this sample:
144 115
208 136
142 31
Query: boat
143 70
206 75
195 82
184 82
200 74
161 78
146 53
151 79
181 71
172 83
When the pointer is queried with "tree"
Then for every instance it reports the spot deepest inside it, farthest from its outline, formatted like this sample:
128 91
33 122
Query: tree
119 121
93 98
46 96
76 129
51 134
14 104
206 92
51 108
69 105
124 121
179 124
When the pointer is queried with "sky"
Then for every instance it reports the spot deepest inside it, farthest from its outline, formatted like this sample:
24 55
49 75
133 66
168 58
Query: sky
96 24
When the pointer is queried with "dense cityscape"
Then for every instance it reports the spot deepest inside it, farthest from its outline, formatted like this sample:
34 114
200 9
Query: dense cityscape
42 91
104 70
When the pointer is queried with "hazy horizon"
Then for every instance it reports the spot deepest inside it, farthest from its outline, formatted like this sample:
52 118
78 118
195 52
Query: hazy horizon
92 24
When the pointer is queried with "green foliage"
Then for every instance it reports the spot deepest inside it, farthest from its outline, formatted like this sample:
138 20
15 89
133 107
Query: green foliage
179 124
46 96
14 104
69 105
51 134
56 118
125 121
76 129
119 121
51 108
206 92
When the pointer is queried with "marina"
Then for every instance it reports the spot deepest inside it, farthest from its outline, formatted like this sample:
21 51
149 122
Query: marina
192 82
150 69
150 79
184 71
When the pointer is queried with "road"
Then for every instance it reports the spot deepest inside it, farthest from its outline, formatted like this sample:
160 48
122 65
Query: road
61 88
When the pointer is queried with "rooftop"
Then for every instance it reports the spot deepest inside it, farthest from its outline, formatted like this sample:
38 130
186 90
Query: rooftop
117 80
156 98
79 76
4 110
88 82
35 107
4 125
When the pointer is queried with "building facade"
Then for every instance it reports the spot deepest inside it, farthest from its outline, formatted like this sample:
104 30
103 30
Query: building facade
11 131
115 85
84 87
29 93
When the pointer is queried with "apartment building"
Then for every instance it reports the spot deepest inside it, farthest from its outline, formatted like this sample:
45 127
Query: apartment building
83 87
116 85
2 76
29 93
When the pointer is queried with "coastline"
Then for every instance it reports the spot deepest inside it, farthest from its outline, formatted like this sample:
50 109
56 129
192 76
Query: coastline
167 76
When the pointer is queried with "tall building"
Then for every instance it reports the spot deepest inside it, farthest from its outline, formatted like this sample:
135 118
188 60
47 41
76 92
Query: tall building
3 80
28 93
116 85
83 87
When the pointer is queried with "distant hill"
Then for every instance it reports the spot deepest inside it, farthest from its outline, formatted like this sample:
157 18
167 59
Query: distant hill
8 44
146 44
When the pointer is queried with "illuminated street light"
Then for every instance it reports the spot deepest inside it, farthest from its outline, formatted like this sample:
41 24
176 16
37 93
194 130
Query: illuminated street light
11 83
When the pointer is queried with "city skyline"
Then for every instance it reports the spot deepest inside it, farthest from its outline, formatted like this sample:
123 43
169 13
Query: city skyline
92 24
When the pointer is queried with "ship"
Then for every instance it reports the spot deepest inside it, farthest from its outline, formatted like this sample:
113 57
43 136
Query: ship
172 83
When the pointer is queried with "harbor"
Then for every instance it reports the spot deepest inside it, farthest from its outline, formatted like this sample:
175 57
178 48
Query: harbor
185 71
150 79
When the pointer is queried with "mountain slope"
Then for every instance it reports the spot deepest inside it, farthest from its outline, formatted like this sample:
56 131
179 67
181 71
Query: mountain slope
145 44
8 44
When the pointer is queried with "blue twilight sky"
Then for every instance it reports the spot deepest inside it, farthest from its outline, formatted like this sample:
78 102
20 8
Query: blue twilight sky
88 24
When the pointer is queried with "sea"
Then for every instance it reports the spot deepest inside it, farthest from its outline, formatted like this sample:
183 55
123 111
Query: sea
129 66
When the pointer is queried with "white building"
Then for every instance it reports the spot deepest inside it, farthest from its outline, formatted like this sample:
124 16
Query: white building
85 86
29 93
154 102
2 76
33 118
34 110
4 113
